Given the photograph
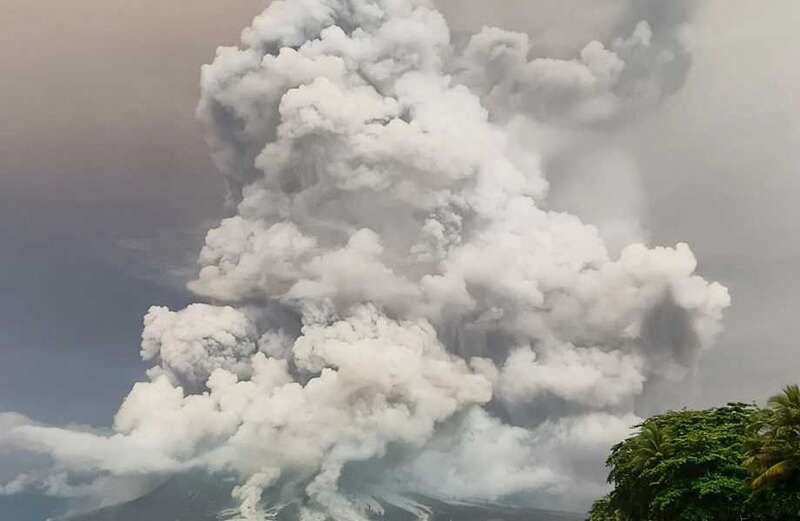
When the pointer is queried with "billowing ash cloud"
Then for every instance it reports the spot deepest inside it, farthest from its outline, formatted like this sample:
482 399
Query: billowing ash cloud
393 307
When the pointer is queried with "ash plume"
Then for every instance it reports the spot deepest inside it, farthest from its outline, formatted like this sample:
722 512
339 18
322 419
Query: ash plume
393 307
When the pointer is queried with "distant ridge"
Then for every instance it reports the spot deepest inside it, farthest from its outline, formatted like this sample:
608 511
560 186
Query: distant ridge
194 499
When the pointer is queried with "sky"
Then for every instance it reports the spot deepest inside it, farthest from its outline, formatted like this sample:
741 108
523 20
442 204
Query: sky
724 174
107 186
100 151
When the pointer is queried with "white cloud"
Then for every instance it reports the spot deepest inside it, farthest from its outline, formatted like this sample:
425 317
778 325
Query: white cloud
388 196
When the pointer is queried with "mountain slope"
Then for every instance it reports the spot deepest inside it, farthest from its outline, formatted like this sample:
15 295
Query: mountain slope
195 499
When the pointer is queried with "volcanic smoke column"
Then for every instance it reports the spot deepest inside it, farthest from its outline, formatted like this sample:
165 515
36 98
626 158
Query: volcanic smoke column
390 307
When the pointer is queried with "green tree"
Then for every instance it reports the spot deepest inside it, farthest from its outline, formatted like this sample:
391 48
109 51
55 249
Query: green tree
602 510
733 463
774 450
683 465
649 446
773 458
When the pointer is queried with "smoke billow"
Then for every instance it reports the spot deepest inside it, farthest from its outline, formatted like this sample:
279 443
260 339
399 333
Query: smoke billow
392 307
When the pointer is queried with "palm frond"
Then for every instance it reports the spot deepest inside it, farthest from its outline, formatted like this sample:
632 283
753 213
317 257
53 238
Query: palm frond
775 472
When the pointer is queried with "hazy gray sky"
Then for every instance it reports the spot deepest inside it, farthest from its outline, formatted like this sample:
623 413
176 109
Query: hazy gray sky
104 175
721 164
98 144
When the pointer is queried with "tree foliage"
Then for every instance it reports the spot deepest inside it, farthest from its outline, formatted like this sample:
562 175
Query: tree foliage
773 452
773 456
737 463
